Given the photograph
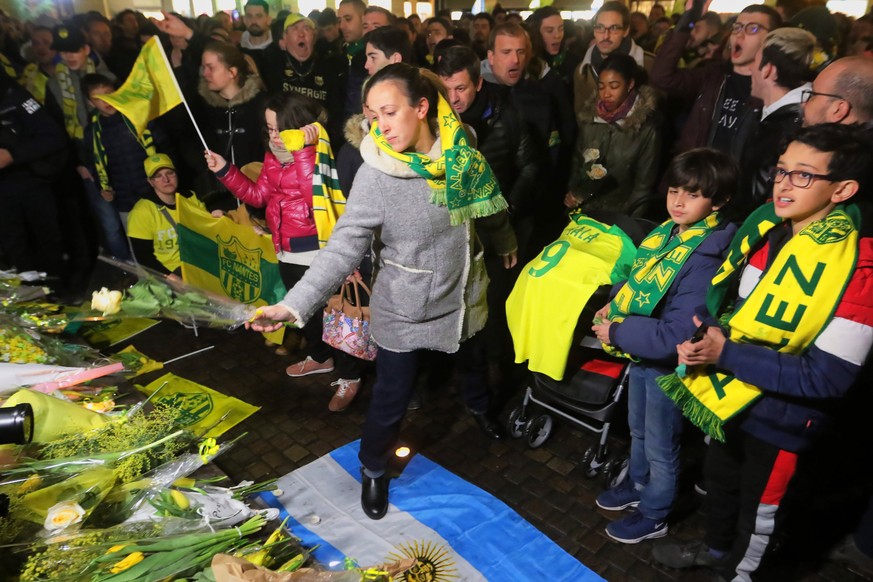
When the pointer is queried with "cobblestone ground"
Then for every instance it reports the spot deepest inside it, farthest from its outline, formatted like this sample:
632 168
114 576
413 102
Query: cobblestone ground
547 486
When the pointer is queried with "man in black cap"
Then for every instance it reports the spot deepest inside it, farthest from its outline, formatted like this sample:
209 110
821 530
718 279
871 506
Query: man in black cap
66 90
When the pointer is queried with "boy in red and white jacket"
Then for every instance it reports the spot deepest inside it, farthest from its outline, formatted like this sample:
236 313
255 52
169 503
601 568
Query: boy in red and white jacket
747 475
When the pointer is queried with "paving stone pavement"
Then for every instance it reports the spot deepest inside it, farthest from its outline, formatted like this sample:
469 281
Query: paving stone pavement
547 486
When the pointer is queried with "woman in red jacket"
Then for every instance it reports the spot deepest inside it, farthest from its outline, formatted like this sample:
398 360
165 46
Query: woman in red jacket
284 188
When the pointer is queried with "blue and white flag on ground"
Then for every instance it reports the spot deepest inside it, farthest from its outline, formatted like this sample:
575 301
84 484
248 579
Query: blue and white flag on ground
455 530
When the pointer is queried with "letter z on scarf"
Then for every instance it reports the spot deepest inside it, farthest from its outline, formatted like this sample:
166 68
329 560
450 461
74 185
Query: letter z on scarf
790 305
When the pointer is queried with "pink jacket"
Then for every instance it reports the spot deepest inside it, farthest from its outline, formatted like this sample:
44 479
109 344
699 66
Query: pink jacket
286 191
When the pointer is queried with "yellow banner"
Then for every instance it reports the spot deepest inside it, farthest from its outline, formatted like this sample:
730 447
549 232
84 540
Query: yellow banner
205 412
150 90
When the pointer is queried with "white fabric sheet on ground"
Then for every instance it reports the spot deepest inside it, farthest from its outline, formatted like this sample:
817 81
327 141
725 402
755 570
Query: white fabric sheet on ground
458 531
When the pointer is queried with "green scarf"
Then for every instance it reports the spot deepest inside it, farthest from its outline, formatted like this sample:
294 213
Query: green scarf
790 305
460 178
658 261
69 104
100 158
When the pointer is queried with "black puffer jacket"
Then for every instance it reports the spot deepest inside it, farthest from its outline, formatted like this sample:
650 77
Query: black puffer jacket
504 139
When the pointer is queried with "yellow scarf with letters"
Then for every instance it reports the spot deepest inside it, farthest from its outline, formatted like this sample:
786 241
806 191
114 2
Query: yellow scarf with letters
658 261
788 308
69 104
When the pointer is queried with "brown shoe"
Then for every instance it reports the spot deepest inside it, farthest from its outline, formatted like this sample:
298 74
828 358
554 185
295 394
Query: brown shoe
344 395
308 367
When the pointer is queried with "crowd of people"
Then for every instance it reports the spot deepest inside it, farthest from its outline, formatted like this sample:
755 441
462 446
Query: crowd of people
458 148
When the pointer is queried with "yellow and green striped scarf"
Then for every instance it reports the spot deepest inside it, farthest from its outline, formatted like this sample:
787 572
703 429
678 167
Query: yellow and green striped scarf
100 158
788 308
460 178
69 104
328 200
658 261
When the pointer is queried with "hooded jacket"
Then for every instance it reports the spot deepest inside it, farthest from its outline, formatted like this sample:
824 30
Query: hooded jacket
629 150
429 278
234 128
585 78
286 192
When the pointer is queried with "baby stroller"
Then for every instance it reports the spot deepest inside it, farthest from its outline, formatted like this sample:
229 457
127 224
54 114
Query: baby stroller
592 387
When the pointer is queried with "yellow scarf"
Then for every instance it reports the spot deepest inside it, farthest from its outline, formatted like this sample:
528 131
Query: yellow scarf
328 201
35 81
787 309
460 178
69 105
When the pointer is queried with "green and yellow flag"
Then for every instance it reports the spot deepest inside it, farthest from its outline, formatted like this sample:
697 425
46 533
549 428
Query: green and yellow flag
150 90
202 409
228 258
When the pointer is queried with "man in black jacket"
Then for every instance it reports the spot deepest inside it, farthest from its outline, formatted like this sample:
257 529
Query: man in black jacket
30 142
780 74
505 140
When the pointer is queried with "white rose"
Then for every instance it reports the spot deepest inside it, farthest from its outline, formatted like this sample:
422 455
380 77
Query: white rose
590 154
62 515
597 172
109 302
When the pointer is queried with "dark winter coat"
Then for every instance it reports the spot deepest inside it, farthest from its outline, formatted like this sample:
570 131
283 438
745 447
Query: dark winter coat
234 128
35 140
762 152
124 157
285 190
702 88
504 139
630 152
654 339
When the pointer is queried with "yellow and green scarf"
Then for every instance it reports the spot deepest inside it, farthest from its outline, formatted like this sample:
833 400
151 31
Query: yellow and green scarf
787 309
100 159
328 200
460 178
69 105
35 81
658 261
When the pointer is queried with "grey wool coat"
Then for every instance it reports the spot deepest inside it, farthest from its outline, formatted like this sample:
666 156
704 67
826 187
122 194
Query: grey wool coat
429 278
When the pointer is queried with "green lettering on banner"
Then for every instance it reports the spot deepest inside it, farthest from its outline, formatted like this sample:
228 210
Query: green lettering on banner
806 285
719 384
551 259
777 319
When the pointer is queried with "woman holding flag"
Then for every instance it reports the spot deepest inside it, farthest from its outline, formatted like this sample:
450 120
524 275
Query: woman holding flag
297 186
414 200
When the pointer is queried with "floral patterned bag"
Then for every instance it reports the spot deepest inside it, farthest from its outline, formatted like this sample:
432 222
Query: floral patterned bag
347 324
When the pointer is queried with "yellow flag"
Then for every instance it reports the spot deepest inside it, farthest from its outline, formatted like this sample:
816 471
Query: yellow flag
201 408
151 89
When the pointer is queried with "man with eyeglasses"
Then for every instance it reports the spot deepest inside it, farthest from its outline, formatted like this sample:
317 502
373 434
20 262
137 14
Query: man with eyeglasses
842 93
722 112
611 34
780 75
151 225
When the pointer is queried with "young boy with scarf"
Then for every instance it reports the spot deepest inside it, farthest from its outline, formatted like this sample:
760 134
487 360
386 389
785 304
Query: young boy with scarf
797 331
650 314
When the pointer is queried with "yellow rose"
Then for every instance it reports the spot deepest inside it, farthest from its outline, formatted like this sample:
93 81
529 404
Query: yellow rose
597 172
109 302
294 139
131 559
62 515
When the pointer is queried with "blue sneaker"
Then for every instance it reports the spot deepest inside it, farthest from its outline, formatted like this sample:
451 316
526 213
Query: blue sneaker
636 528
620 497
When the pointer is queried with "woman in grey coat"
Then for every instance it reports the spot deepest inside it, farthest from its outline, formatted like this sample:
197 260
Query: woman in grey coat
429 277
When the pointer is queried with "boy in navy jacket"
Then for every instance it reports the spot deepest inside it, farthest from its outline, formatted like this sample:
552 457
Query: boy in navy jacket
649 315
800 328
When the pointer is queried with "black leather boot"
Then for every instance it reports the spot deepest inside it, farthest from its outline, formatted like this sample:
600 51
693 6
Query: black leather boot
488 424
374 495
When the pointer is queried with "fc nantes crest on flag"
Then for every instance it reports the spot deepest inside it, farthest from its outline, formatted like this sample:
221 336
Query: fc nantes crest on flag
151 89
227 258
